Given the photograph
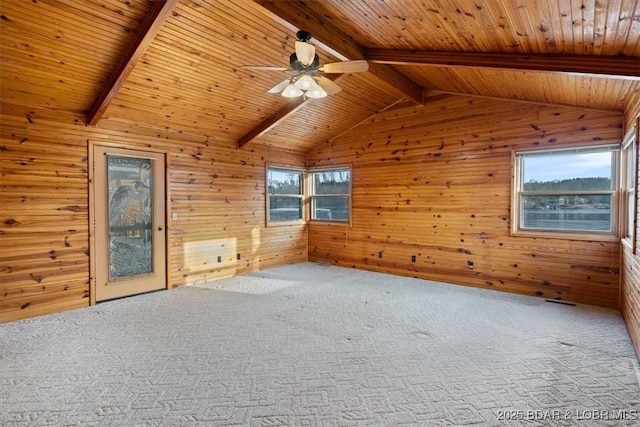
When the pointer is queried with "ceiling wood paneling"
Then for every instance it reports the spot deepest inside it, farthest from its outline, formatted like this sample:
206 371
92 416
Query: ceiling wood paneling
311 125
546 88
57 54
586 27
61 54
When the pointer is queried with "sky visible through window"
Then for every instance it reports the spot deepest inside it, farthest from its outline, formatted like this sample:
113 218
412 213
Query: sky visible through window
567 166
283 176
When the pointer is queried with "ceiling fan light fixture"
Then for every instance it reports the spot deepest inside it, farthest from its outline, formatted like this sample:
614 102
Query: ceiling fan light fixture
291 91
309 80
317 92
306 82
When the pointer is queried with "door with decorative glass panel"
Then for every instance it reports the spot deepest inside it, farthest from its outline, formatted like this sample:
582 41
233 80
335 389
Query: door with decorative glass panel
129 220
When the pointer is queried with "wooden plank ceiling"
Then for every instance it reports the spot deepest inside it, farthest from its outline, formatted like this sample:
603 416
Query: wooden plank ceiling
66 55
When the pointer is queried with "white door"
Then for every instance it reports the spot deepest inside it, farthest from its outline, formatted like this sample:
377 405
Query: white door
129 212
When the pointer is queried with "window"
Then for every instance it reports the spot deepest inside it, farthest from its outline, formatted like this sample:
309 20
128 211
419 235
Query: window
331 194
284 194
628 181
566 190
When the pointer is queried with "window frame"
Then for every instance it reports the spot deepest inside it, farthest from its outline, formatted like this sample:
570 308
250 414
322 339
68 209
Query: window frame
313 197
628 194
270 222
517 167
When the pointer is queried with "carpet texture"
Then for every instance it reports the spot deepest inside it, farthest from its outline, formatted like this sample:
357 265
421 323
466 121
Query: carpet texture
314 345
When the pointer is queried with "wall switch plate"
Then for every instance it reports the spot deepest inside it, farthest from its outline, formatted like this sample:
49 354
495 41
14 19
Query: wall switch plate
174 216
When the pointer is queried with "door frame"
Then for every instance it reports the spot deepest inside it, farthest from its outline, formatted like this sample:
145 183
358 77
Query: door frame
92 215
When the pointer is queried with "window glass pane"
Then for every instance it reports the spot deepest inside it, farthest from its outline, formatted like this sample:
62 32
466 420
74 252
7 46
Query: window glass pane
568 172
630 209
283 208
629 156
567 212
284 182
331 208
332 182
629 184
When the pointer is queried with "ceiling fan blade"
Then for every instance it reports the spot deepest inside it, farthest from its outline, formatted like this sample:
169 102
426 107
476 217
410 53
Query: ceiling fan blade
279 87
345 67
305 52
264 68
328 85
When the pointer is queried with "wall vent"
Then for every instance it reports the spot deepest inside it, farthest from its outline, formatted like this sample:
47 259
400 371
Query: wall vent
555 301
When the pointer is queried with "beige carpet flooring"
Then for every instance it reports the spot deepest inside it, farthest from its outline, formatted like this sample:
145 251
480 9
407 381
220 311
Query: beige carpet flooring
314 345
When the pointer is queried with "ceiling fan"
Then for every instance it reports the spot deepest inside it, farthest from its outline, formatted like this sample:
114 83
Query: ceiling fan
308 80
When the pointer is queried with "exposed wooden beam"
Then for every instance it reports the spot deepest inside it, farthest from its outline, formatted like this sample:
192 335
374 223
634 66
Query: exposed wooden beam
620 67
297 15
390 76
157 14
270 122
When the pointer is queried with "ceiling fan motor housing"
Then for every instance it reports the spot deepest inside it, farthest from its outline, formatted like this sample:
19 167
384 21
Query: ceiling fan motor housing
298 66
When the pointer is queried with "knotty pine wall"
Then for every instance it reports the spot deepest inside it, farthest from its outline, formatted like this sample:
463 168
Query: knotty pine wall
435 182
630 274
216 190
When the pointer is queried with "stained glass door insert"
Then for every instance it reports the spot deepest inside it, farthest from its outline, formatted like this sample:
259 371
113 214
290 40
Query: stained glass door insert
129 193
130 201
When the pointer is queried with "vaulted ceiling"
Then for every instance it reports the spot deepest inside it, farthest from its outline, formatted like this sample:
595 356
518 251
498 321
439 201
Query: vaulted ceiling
178 64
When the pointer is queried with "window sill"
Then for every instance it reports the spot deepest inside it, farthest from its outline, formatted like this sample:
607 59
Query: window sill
329 221
594 237
286 223
627 242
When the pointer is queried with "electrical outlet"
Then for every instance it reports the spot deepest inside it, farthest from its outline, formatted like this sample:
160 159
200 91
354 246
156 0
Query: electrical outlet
413 258
380 254
174 216
238 256
219 259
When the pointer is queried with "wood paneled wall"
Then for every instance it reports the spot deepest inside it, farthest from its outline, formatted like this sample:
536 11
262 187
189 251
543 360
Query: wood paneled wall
630 294
435 182
216 190
630 274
